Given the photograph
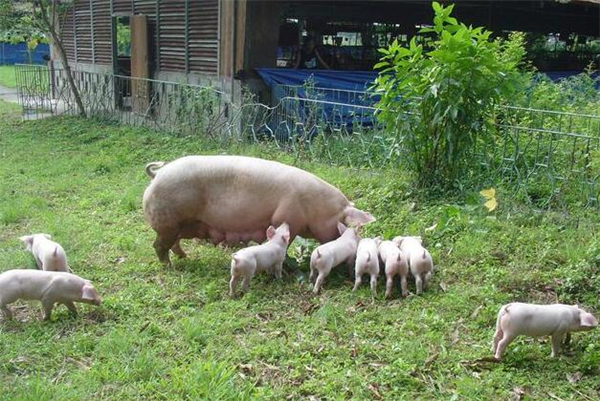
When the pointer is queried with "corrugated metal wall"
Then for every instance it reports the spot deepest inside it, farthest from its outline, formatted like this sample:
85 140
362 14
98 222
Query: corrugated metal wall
184 33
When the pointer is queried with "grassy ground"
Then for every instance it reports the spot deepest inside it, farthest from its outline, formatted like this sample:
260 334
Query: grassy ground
169 334
7 76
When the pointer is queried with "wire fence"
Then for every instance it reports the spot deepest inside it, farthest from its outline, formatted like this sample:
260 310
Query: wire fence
550 158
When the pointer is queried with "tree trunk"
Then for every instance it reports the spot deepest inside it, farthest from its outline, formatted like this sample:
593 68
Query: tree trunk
69 73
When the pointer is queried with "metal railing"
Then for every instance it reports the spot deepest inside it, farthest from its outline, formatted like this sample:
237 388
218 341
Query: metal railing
551 158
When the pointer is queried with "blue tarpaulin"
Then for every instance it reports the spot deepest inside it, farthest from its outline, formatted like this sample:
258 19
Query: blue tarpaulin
328 79
17 54
338 93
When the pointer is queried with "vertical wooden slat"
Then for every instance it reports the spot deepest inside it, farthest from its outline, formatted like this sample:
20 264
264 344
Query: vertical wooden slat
158 22
187 36
203 35
140 63
93 28
75 34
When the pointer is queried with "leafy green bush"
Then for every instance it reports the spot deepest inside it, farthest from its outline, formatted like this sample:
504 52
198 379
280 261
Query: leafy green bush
458 80
577 93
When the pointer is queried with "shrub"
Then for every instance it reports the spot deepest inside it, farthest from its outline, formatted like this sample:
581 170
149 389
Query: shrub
457 80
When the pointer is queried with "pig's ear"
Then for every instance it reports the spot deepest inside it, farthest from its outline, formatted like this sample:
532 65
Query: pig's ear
270 232
587 319
398 240
419 240
47 236
378 240
356 217
341 228
88 293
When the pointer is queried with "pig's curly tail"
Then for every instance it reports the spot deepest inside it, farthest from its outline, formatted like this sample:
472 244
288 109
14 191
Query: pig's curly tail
151 167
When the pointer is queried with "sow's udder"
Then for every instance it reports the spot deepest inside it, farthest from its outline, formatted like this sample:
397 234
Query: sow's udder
219 234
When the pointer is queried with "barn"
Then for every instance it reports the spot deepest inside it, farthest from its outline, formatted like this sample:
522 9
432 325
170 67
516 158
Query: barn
225 42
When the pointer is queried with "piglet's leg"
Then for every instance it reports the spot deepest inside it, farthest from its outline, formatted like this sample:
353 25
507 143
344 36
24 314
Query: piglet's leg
357 281
71 306
48 305
497 337
232 285
246 283
507 339
313 273
389 285
319 282
7 313
374 284
404 285
419 284
427 279
278 270
556 343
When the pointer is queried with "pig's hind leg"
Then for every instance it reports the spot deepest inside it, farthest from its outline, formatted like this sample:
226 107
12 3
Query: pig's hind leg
232 285
374 284
357 280
246 283
497 337
506 339
389 285
165 240
419 283
177 250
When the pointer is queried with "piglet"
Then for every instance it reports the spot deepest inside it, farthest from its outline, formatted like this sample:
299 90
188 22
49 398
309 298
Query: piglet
556 320
47 287
327 256
367 262
395 264
48 254
419 260
266 257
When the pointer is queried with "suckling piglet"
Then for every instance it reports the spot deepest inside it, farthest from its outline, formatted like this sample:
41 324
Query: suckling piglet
48 254
556 320
327 256
419 260
45 286
395 264
367 262
269 256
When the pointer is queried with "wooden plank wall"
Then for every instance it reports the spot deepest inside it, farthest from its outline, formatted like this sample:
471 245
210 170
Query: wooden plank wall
184 34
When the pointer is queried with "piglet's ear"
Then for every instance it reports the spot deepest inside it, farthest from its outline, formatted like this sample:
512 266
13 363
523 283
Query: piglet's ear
270 232
286 237
587 319
398 240
47 236
341 228
88 293
356 217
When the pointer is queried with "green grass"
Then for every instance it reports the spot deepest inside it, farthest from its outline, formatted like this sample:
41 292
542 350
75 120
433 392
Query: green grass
7 76
170 334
